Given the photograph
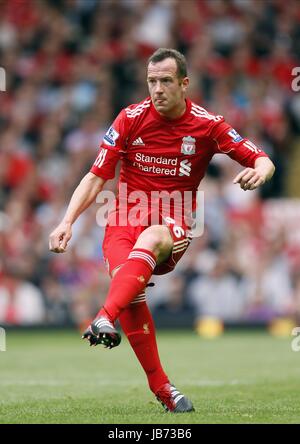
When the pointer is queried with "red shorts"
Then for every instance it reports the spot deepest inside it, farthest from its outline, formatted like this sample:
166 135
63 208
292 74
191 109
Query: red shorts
118 242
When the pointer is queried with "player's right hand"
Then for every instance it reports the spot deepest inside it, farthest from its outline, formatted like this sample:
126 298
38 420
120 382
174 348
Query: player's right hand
59 238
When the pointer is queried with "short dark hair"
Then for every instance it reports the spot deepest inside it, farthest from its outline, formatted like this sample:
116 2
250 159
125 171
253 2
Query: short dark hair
165 53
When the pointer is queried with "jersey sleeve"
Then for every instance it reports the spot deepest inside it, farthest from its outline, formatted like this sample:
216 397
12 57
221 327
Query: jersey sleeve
229 142
111 147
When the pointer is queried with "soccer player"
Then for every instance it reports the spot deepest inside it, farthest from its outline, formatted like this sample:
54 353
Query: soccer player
165 143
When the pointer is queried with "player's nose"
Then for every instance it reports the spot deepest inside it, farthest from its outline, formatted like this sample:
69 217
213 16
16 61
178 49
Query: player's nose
158 88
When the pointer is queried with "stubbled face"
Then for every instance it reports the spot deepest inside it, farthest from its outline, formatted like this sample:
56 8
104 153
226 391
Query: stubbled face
167 91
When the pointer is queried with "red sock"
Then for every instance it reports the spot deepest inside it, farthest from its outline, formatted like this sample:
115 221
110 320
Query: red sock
137 323
129 281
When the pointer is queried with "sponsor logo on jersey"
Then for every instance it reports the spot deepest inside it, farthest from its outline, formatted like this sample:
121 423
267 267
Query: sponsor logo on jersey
138 141
234 135
111 136
140 157
160 160
185 168
188 145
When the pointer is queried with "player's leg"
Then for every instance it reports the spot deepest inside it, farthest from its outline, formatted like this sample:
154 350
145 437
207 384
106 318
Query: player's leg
153 246
117 244
137 267
137 323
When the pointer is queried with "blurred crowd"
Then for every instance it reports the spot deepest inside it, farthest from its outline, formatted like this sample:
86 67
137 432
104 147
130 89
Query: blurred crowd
71 65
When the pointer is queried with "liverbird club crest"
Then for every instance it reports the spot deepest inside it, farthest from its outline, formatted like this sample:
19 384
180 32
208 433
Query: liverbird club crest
188 145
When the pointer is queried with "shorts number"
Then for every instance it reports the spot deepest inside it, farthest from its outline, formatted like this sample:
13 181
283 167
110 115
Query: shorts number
178 231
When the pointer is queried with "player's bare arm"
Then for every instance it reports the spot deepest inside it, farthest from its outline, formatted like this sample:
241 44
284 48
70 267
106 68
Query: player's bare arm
83 196
252 178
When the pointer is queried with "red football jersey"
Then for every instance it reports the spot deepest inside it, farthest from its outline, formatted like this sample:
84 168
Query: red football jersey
158 154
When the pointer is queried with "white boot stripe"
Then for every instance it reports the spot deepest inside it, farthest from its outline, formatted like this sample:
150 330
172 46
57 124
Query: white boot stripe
103 323
178 398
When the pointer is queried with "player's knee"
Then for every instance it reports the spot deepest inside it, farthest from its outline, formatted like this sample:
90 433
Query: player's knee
156 238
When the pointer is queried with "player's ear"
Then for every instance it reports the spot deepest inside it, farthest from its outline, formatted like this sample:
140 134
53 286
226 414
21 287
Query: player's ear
185 83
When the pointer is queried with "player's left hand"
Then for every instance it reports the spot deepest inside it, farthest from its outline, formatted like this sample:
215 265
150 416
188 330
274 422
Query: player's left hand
250 179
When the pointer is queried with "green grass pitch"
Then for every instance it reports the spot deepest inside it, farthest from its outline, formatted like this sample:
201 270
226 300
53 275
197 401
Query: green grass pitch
54 377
